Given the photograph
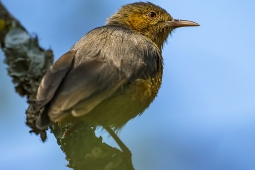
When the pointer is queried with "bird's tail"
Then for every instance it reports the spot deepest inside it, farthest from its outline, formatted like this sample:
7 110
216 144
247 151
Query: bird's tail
43 120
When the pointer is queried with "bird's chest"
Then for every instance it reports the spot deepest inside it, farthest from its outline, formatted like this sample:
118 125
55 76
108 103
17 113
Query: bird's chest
143 89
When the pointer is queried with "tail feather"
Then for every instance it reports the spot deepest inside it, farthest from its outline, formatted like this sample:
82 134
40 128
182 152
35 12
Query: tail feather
43 120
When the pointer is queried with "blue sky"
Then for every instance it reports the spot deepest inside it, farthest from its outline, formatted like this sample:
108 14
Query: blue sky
204 115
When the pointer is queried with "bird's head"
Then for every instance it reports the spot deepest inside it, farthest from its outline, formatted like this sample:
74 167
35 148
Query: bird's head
149 20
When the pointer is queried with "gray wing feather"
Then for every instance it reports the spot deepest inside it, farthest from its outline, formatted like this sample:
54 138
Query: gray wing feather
84 82
53 79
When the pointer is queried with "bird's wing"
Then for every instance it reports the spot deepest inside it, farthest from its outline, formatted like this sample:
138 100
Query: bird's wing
92 81
53 79
103 64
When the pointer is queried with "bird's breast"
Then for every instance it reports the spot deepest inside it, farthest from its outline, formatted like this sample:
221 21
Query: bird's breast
144 89
127 102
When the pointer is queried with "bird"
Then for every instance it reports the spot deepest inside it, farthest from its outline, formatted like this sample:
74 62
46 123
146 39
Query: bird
113 73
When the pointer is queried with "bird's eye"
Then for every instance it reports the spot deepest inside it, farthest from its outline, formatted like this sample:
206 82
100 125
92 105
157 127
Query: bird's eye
152 15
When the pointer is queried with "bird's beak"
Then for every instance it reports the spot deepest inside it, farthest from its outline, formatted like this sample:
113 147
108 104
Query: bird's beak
181 23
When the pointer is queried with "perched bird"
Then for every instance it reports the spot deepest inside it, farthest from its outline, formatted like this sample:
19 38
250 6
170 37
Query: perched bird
113 73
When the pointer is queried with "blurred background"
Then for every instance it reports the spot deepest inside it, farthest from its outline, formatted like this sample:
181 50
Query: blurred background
204 115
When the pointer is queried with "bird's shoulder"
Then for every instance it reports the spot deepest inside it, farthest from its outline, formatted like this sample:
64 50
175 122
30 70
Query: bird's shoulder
112 34
120 47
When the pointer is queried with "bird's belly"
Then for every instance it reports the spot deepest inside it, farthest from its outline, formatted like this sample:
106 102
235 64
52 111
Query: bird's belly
125 104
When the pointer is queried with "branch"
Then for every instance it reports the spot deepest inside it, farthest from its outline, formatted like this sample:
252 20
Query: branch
27 61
